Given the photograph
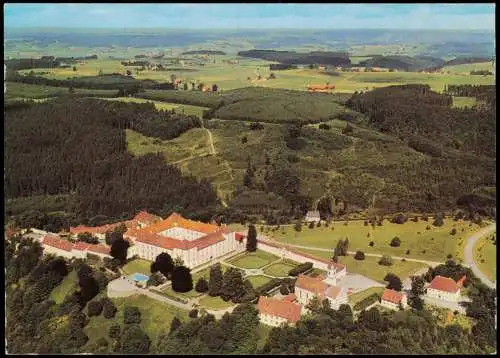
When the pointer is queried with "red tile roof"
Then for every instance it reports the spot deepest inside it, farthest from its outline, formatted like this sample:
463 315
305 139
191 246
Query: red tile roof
81 246
290 297
392 296
333 291
100 249
176 220
460 282
336 265
147 218
444 284
284 309
312 284
56 242
171 243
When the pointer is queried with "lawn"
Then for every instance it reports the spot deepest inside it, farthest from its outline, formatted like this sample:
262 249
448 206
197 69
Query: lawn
155 318
279 269
258 281
65 288
254 260
264 331
359 296
214 303
138 265
369 267
437 242
484 254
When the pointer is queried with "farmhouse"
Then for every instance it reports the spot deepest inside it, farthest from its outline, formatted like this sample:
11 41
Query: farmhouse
323 287
273 312
393 299
445 288
194 242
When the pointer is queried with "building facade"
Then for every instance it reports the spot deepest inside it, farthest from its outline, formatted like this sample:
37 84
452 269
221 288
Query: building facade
274 312
393 299
306 288
445 288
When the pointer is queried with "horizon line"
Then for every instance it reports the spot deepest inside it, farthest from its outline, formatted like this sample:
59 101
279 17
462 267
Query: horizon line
235 29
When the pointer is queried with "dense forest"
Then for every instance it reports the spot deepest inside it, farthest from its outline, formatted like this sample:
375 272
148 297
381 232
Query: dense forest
466 60
77 147
295 58
403 63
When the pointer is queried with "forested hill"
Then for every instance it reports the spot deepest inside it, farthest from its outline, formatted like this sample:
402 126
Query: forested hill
404 63
292 57
77 147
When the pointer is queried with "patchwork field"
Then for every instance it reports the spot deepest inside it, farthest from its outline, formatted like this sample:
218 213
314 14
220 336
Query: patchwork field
485 256
370 267
433 244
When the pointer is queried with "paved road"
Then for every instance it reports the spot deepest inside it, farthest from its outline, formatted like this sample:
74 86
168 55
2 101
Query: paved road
469 258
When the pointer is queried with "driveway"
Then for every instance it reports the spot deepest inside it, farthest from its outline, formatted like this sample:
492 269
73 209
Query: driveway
469 258
356 283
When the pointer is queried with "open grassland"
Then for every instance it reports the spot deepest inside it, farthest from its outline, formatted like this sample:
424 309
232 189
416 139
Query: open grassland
468 67
23 90
254 260
139 266
180 108
370 267
65 288
360 296
155 318
214 303
433 244
485 256
258 281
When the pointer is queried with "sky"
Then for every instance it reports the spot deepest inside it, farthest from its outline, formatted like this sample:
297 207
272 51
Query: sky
238 16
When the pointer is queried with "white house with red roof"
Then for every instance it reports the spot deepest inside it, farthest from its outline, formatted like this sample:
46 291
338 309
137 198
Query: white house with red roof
192 241
306 288
393 299
274 312
445 288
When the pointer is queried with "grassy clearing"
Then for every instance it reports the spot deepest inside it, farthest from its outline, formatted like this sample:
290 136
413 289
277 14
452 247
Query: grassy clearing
370 267
139 266
442 315
360 296
43 203
214 303
484 254
65 288
466 68
437 242
279 269
462 102
155 318
254 260
264 331
258 281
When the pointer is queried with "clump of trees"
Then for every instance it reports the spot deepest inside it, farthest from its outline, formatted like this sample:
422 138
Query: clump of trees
386 260
360 255
396 242
393 282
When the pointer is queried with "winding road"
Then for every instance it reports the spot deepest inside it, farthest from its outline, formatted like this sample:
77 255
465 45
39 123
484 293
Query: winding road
469 256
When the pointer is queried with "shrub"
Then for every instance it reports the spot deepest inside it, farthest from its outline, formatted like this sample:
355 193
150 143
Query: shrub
360 255
449 256
366 222
396 242
427 227
109 309
114 331
311 225
385 261
324 126
424 251
201 285
298 227
425 218
318 224
408 251
399 219
284 289
268 286
372 243
438 221
361 305
193 313
256 126
453 231
131 315
94 308
415 219
306 266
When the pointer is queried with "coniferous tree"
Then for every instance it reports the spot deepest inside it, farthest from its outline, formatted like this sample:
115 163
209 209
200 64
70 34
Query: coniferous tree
215 280
252 238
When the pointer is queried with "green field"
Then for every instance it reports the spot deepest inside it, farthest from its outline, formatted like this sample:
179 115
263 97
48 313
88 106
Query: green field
437 242
280 269
214 303
467 68
65 288
155 318
138 265
360 296
22 90
254 260
181 108
485 256
370 267
258 281
462 102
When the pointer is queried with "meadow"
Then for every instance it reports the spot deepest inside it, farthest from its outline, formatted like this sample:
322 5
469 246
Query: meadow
370 267
485 256
23 90
433 244
65 288
468 67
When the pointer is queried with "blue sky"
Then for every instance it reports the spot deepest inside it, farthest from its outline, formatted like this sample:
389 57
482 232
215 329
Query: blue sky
234 16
